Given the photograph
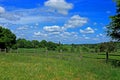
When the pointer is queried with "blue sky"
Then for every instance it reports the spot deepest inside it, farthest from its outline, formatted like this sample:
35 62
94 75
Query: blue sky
67 21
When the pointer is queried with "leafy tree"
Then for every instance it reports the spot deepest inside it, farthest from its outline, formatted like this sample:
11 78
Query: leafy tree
51 46
43 44
113 29
7 38
21 43
28 44
35 43
107 47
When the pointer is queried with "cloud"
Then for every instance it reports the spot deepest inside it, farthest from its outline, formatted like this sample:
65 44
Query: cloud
88 30
94 23
61 6
54 33
23 27
52 28
2 10
29 19
75 21
40 34
8 15
33 19
86 38
100 35
67 35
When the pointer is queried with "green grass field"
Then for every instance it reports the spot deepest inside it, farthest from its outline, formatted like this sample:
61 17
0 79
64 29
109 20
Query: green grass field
57 66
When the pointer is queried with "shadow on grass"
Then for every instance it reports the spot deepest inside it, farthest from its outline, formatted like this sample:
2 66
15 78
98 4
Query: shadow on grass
114 62
92 57
110 54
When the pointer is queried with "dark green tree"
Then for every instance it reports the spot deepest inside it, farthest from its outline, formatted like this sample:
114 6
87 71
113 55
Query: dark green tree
113 29
7 38
43 44
28 44
35 43
51 46
21 43
107 47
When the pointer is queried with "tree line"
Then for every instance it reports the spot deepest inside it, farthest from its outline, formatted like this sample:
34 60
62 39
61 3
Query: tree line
23 43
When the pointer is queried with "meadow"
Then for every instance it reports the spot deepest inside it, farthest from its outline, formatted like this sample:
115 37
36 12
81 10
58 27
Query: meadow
58 66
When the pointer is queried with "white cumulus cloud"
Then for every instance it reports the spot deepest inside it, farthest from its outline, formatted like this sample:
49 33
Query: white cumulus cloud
8 15
61 6
2 9
23 27
52 28
88 30
40 34
75 21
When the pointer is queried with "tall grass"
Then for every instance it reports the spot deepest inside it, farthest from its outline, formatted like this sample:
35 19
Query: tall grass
56 66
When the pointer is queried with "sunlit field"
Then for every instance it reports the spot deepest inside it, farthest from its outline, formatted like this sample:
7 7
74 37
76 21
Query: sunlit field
59 39
58 66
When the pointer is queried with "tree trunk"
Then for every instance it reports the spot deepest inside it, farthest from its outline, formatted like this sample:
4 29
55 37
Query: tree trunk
107 57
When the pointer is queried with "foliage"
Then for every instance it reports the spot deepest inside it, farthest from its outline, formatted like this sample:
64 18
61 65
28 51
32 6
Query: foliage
43 44
35 43
51 46
107 47
23 43
101 47
113 29
7 38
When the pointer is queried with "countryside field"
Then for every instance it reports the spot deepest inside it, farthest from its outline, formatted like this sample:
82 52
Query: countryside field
58 66
59 39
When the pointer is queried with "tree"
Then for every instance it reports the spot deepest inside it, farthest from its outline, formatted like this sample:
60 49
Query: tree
107 47
7 38
28 44
35 43
43 44
113 29
21 43
51 46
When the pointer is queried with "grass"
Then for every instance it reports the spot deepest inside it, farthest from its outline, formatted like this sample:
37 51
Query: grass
57 66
